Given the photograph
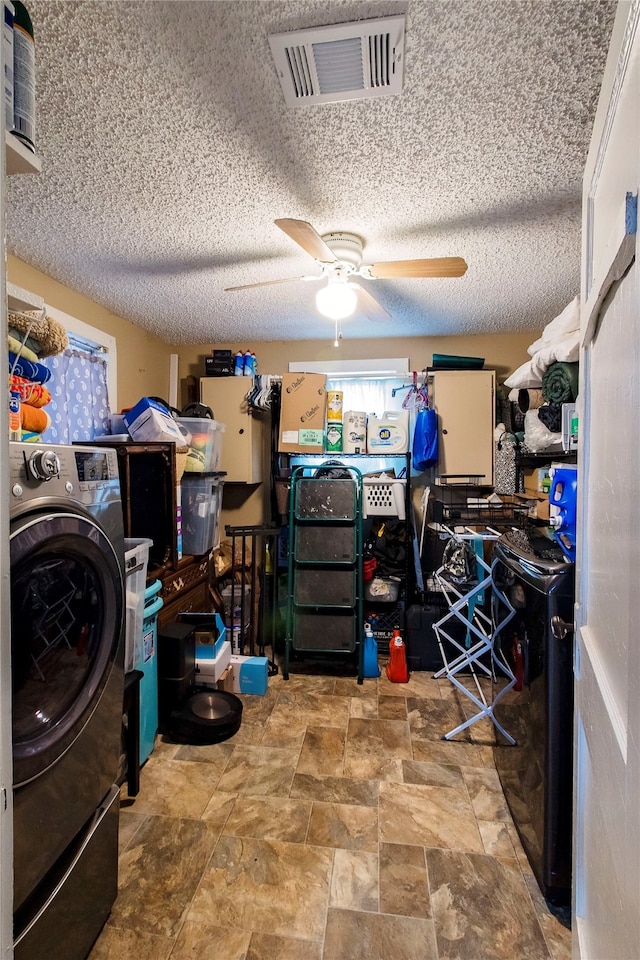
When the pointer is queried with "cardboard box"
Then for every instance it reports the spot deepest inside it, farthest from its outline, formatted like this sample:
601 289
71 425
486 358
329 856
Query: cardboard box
538 504
537 480
150 422
246 675
219 366
542 507
210 639
208 670
302 413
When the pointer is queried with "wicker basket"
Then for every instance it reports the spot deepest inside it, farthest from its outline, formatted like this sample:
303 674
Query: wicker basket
283 489
181 461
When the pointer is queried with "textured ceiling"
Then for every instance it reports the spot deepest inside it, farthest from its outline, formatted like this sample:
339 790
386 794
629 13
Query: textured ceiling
167 153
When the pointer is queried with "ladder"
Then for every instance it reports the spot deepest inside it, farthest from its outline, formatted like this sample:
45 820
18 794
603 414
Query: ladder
324 609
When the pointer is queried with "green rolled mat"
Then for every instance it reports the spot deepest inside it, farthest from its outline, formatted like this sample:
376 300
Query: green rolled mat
444 361
560 383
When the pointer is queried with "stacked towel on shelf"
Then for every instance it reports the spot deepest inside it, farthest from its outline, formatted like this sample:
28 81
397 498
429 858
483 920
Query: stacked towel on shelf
551 416
35 394
560 342
26 341
560 383
48 333
31 336
550 378
34 420
20 349
37 372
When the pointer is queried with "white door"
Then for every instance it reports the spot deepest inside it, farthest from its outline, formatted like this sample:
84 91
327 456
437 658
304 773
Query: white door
607 757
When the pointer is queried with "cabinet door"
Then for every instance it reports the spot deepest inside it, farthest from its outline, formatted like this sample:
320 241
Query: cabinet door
242 441
464 401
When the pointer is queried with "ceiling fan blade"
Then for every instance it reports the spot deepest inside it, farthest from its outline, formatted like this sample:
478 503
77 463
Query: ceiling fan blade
434 267
369 305
308 238
263 283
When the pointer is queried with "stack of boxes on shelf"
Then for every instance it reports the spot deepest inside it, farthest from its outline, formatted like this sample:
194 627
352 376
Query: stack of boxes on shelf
198 444
217 666
312 420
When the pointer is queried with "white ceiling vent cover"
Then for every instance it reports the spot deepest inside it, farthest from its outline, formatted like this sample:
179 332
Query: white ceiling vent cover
346 61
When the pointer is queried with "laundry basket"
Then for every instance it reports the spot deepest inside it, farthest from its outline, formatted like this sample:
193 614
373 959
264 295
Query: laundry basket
149 666
136 560
383 497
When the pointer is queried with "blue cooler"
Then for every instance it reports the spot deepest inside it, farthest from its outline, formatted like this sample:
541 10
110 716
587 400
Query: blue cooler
149 666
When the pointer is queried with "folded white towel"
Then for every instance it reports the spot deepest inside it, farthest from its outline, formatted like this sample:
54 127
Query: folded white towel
567 322
566 350
524 378
560 341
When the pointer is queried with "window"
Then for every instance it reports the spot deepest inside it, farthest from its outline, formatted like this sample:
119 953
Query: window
368 394
82 384
366 385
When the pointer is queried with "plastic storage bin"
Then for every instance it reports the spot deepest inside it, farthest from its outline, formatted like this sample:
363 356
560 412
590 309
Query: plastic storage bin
136 560
201 504
149 666
241 595
205 446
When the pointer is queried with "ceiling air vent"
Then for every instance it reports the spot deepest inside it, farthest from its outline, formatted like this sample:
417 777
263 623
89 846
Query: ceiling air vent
346 61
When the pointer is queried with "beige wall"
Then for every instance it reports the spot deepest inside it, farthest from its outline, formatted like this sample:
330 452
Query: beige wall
143 359
502 352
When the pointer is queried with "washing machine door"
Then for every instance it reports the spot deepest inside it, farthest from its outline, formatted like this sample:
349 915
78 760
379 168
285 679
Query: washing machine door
67 601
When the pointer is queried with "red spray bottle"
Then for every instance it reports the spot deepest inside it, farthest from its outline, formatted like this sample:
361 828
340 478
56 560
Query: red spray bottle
397 670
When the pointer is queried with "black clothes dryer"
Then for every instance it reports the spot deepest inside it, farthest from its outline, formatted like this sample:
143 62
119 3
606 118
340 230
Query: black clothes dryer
530 571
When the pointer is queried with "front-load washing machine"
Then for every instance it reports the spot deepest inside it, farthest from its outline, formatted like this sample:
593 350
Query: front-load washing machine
67 644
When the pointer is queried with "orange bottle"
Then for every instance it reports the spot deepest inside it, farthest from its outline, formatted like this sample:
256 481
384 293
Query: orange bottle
397 670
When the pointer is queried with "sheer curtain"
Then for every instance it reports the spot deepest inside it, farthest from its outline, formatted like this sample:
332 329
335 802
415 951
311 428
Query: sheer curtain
79 408
368 394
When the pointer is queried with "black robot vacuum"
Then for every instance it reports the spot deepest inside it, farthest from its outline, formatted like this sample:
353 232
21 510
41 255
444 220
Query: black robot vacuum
190 713
206 716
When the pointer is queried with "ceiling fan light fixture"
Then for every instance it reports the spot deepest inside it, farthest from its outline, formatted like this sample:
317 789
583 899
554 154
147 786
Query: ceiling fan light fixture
337 301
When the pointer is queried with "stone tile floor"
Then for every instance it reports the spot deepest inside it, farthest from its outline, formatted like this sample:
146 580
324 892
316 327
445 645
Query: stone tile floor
335 825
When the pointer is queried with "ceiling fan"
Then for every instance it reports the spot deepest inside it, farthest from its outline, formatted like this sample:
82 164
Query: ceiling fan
339 256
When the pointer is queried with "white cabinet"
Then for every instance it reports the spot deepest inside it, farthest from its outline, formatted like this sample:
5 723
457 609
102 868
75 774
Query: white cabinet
465 403
243 440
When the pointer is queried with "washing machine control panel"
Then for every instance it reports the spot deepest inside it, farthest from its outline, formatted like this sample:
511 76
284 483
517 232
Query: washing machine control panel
65 471
43 465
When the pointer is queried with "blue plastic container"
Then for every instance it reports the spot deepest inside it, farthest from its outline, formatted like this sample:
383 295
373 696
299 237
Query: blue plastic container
149 666
563 497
